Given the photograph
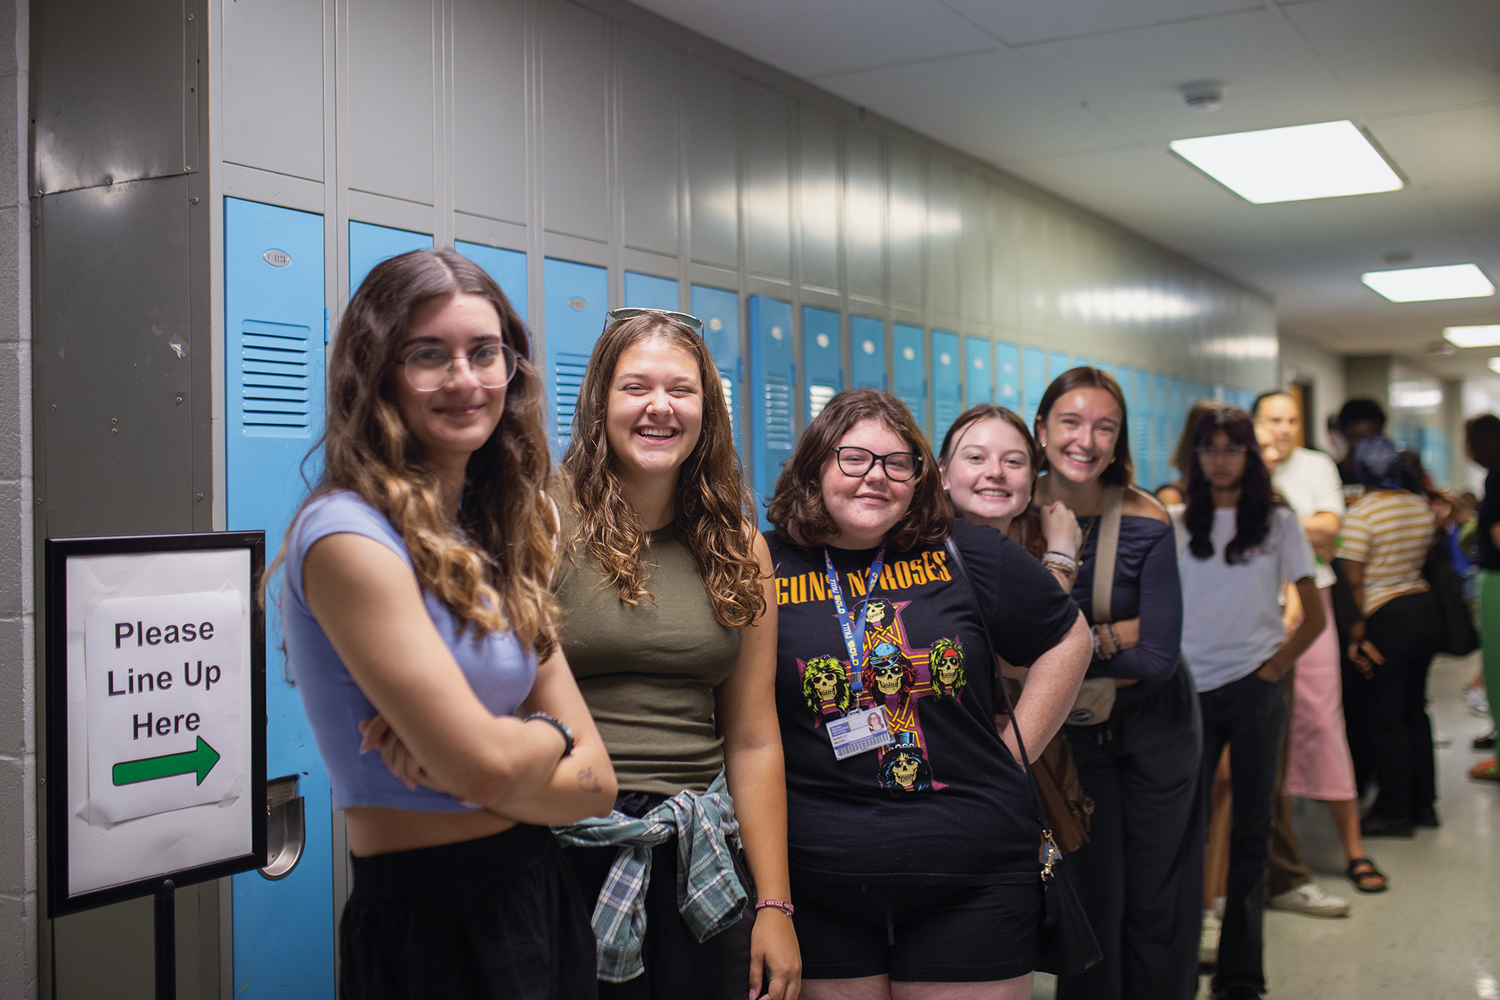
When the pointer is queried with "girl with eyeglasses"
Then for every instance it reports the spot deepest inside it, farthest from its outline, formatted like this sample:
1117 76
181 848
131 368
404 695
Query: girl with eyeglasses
1239 544
912 838
1141 875
418 620
670 627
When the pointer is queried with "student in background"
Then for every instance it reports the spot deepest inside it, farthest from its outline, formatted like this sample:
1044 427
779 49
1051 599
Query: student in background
669 623
1315 761
1238 546
416 587
1383 546
1141 877
1482 444
1175 492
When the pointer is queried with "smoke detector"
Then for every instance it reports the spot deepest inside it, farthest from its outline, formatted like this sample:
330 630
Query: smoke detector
1203 95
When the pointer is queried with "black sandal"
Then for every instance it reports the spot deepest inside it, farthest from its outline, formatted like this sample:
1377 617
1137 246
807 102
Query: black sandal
1363 879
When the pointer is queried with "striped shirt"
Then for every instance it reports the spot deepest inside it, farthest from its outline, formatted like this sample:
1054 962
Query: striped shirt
1390 532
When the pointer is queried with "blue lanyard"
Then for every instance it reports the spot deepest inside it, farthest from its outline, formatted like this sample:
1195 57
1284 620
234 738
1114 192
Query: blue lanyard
854 635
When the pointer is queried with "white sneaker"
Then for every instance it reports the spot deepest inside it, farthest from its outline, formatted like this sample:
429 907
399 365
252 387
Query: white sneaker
1208 940
1311 900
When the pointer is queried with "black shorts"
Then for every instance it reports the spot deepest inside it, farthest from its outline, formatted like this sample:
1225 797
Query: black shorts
490 919
678 966
917 933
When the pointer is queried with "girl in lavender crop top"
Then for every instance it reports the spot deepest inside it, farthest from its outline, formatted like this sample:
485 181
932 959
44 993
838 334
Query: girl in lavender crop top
499 670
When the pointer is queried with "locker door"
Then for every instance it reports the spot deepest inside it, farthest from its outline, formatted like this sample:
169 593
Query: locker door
1034 381
650 292
274 329
1105 366
947 392
1144 419
979 376
1161 436
822 358
576 301
720 312
370 244
1057 363
1125 375
909 370
507 267
1008 375
867 353
773 379
1176 417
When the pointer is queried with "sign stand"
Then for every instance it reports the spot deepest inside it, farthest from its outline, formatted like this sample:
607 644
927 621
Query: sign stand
155 763
166 941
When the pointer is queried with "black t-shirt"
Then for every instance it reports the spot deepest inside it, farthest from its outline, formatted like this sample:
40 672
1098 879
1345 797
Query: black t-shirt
1489 516
946 802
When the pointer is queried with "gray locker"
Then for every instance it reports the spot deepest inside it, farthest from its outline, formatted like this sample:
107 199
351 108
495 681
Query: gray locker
944 223
908 225
713 151
767 211
974 249
392 126
864 214
819 187
651 77
489 109
575 121
273 86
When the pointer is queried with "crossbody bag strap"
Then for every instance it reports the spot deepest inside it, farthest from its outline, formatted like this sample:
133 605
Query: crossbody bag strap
1036 797
1104 553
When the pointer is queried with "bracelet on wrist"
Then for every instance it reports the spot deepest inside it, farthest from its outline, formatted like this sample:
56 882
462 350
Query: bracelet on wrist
1061 560
775 904
567 734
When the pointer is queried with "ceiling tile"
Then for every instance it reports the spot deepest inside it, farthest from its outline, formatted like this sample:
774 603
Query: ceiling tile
1025 22
1442 148
810 38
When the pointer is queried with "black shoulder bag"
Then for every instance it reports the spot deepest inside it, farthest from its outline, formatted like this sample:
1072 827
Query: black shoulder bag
1067 944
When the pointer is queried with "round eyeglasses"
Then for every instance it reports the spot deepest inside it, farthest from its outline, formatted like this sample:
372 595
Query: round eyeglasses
428 368
899 466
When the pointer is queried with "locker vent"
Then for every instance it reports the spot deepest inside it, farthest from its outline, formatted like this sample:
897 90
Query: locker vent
944 411
817 398
568 376
728 393
273 377
778 412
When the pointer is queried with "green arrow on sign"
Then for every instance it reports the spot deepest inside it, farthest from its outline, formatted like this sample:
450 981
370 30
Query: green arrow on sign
200 760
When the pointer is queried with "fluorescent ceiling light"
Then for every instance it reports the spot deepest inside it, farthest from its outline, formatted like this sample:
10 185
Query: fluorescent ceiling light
1472 336
1424 284
1494 364
1328 160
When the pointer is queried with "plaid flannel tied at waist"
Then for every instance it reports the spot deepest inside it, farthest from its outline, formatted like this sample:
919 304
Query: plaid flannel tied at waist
709 894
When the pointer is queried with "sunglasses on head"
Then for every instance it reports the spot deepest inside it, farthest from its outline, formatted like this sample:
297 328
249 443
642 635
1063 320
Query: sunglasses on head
632 312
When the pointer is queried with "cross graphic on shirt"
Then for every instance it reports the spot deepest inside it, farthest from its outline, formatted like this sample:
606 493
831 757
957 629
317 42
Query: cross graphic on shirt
881 633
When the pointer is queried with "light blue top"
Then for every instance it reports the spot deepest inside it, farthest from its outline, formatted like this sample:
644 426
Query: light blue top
498 668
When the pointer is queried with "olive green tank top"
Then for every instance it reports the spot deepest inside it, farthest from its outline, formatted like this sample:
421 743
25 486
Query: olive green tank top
648 671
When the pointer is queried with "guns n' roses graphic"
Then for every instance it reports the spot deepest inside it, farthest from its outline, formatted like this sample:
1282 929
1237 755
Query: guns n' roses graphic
896 676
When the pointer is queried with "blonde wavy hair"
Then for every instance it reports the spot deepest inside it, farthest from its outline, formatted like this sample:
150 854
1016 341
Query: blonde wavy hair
495 574
714 512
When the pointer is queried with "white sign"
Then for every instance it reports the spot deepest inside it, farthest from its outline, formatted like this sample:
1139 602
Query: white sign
162 675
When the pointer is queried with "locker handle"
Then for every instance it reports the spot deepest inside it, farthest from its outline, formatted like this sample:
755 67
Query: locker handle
286 828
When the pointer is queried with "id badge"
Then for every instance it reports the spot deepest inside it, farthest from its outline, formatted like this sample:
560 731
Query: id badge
859 731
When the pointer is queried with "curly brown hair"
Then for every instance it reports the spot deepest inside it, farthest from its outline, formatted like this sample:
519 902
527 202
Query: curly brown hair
496 574
797 510
714 511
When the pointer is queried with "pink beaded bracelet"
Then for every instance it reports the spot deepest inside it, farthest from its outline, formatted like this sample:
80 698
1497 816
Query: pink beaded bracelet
786 908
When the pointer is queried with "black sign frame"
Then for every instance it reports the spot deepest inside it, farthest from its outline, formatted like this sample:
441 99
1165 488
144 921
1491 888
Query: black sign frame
57 551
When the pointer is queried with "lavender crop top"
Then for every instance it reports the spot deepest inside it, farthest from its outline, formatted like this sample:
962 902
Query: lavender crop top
498 668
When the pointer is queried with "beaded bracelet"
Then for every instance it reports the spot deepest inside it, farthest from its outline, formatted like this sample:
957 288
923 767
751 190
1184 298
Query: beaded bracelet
1062 560
775 904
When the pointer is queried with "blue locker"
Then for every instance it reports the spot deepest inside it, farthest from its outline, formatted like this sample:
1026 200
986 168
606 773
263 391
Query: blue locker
1125 375
867 353
1105 366
1082 362
773 379
909 369
1142 413
576 300
1176 417
1034 381
979 376
720 312
947 390
274 330
370 244
1057 363
507 267
822 354
1161 438
650 292
1008 375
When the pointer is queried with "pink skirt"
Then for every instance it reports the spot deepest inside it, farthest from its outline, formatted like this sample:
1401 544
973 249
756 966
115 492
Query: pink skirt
1318 765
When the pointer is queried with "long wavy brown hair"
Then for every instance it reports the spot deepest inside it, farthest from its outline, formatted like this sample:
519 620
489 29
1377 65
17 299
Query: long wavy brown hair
714 513
496 574
797 509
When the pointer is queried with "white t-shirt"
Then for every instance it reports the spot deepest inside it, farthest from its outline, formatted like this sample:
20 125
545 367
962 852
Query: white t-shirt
1310 483
1231 615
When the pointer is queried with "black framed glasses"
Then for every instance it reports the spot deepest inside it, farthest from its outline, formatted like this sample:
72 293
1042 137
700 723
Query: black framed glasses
429 367
633 312
899 466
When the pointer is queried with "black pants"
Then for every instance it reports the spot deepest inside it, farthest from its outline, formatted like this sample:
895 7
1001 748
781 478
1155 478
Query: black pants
1390 713
1140 879
678 967
1249 715
493 919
